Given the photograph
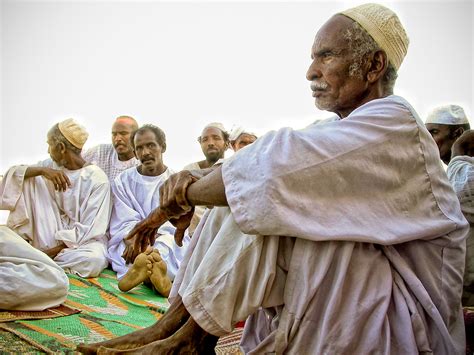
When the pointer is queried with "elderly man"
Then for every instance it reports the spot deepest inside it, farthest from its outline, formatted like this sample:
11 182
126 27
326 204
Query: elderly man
118 156
446 124
344 237
30 280
214 141
135 195
240 137
61 205
461 176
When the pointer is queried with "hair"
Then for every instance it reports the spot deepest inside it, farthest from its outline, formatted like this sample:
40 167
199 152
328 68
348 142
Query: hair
160 136
361 44
225 135
58 137
132 121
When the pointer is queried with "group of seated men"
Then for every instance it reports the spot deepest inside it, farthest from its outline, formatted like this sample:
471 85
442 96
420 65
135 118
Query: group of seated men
77 208
343 237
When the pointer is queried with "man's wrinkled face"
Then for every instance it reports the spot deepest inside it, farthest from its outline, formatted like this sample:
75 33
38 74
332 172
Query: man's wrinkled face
148 151
121 131
243 140
333 88
441 133
213 144
53 152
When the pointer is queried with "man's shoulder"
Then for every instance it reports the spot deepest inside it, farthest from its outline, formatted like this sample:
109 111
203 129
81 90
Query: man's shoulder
94 173
99 149
192 166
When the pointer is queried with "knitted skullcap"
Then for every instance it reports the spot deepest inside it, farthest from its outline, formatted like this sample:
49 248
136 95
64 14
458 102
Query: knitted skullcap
238 131
384 26
73 132
217 125
448 114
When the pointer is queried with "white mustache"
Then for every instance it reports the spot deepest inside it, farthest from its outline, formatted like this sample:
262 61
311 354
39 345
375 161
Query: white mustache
319 85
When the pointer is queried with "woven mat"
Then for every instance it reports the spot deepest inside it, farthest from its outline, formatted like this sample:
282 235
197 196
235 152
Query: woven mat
106 313
60 311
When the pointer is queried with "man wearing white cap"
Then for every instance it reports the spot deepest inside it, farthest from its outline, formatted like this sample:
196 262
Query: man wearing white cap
446 124
341 238
240 137
61 205
214 141
461 176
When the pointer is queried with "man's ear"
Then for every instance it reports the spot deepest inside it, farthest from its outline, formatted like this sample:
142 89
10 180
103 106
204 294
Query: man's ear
457 133
378 64
163 148
61 147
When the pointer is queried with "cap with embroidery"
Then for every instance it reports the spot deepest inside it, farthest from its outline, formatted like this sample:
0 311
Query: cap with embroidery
75 133
447 114
384 26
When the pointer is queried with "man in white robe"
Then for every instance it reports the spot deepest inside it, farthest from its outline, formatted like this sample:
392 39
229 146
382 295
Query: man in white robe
118 156
461 176
29 279
135 195
61 205
446 124
341 238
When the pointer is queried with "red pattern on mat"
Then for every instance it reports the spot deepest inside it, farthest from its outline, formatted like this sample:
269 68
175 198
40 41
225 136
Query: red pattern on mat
61 310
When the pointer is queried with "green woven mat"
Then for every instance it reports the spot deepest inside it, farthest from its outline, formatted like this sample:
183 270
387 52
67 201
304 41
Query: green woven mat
106 313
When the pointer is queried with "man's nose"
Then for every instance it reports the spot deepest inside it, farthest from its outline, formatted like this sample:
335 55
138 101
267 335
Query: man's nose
313 71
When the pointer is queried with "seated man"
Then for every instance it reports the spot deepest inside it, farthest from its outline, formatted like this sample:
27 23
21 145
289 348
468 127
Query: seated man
118 156
446 124
461 176
61 205
30 280
341 238
214 141
239 138
135 195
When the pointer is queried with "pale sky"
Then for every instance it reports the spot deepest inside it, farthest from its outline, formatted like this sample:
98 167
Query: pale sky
181 65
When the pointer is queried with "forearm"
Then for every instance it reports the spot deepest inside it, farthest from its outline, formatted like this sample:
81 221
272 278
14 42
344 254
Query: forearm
52 252
208 191
33 171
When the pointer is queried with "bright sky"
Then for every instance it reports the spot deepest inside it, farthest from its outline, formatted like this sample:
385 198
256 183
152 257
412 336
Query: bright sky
180 65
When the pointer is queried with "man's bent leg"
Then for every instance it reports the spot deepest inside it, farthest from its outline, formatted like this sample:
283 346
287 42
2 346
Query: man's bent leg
171 321
234 275
87 260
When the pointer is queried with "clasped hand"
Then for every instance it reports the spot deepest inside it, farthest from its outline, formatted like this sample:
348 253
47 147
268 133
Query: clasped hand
174 207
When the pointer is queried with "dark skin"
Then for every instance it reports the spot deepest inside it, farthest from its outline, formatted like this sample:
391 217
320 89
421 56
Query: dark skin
213 145
121 131
444 136
464 145
341 95
63 157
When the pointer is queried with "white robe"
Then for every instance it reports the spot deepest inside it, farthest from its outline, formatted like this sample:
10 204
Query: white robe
78 216
29 279
135 196
347 234
461 176
106 158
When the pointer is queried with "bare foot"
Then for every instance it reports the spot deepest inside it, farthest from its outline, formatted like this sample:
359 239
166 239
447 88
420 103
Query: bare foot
137 273
189 339
171 321
157 274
